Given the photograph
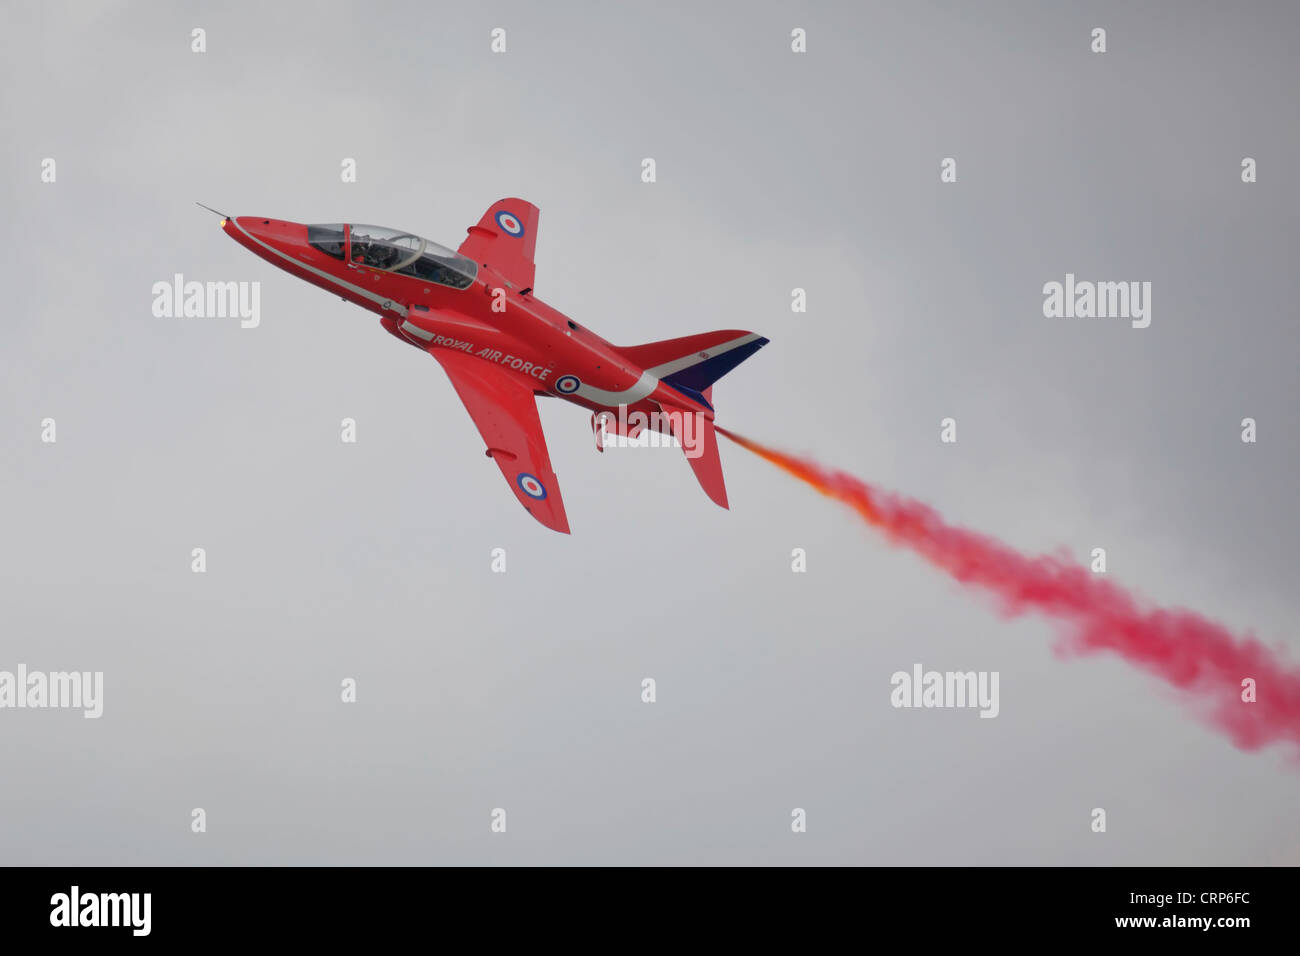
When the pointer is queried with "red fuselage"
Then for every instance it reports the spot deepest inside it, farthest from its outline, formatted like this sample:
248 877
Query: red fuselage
489 319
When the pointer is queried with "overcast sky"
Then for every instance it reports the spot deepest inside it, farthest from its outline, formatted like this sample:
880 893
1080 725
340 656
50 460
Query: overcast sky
522 690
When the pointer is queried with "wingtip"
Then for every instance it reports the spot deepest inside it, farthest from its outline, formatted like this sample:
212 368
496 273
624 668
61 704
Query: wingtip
558 523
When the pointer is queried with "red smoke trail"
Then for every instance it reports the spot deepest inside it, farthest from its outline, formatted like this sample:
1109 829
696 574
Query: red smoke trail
1192 653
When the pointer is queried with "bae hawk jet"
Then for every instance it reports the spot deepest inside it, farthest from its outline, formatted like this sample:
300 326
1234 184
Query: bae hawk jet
474 311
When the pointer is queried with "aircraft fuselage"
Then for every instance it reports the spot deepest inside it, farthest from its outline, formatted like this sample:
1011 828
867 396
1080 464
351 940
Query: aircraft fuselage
490 319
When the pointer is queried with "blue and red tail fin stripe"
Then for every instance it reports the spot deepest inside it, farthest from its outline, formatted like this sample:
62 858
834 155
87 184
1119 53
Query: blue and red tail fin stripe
690 393
696 378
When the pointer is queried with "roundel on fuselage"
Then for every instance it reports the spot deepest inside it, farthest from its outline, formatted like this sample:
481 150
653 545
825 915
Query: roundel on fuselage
567 384
510 223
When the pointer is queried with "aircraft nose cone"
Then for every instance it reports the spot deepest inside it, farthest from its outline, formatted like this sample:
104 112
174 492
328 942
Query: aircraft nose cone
269 229
259 232
254 225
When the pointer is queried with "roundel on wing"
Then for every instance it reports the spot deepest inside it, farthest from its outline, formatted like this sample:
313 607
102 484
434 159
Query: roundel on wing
530 486
567 384
510 223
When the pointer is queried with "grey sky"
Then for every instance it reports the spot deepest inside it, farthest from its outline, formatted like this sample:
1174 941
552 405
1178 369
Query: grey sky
479 690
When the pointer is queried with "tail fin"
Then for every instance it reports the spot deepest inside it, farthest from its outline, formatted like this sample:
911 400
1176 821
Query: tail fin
699 441
693 363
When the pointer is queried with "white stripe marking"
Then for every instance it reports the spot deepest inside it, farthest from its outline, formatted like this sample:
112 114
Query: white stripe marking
649 380
686 361
417 331
639 389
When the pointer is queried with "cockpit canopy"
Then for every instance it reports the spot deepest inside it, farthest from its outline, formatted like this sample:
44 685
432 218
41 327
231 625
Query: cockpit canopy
394 251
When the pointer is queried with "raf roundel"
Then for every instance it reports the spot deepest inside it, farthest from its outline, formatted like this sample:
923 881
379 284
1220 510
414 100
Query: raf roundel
510 223
531 486
567 384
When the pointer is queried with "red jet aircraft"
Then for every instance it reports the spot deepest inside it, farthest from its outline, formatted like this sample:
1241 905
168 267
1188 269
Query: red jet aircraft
474 311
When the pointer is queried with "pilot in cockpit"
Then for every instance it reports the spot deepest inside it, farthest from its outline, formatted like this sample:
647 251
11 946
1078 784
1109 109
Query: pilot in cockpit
377 255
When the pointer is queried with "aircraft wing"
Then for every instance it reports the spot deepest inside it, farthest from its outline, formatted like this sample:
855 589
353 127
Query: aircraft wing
504 240
505 412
